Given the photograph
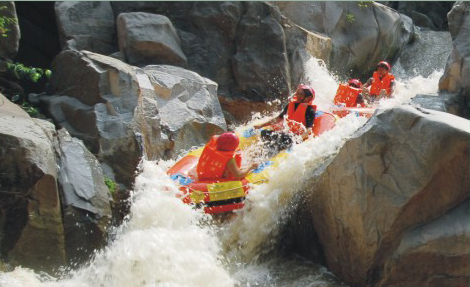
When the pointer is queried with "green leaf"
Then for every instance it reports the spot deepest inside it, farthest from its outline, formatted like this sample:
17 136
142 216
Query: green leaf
35 77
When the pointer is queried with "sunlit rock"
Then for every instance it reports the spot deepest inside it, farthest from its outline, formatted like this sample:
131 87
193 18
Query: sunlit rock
123 113
32 232
188 106
362 34
147 38
405 168
86 25
456 76
426 251
239 45
85 198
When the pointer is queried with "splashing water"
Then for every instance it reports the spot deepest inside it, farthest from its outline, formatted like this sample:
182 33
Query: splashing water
164 243
167 243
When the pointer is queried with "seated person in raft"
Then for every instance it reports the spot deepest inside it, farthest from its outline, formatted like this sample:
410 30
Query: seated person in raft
299 115
381 84
220 159
350 94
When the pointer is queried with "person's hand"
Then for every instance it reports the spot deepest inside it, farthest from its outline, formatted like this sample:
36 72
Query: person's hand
257 126
365 91
383 93
254 165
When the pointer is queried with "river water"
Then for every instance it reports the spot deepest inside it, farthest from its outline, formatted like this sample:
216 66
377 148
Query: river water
167 243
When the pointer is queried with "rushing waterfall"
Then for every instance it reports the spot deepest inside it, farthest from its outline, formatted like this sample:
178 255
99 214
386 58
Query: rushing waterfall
167 243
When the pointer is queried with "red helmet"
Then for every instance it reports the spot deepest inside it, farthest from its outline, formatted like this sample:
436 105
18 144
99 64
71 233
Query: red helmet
384 64
227 142
355 82
307 88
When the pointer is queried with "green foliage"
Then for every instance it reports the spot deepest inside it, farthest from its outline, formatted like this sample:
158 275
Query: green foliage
32 111
20 71
364 4
350 18
5 22
111 184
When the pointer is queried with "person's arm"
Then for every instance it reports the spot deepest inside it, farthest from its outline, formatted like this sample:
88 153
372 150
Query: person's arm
309 121
368 83
237 173
365 90
392 87
268 123
273 121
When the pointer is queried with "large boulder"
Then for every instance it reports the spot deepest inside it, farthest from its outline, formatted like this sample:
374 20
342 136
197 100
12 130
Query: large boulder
445 102
432 15
239 45
426 252
95 102
146 39
385 198
10 42
456 76
32 232
123 113
428 53
362 34
85 198
86 25
193 99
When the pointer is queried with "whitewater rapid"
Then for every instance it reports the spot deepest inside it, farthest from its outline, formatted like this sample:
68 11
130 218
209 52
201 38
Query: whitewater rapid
164 242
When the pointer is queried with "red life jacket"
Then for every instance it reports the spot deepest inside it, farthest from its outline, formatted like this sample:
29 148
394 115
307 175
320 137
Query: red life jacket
384 84
213 162
296 120
347 95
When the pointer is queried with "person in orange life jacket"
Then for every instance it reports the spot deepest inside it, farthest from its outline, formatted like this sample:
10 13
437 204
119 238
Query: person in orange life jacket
381 83
220 159
300 113
350 94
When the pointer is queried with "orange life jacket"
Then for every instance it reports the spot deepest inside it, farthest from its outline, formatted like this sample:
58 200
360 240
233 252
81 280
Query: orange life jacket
213 162
347 95
384 84
296 120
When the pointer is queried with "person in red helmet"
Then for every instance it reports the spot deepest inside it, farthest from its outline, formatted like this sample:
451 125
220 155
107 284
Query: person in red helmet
298 114
349 94
381 84
220 159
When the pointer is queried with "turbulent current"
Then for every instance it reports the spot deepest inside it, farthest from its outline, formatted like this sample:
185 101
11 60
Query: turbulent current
167 243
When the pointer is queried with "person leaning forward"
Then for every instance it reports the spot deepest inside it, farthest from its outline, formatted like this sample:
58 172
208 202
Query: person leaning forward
220 159
298 114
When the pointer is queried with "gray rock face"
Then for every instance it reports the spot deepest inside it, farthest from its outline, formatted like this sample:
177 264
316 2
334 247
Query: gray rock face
86 26
9 45
39 228
193 99
32 231
123 112
87 211
97 103
361 36
444 102
456 76
427 251
405 168
432 15
239 45
261 56
146 39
